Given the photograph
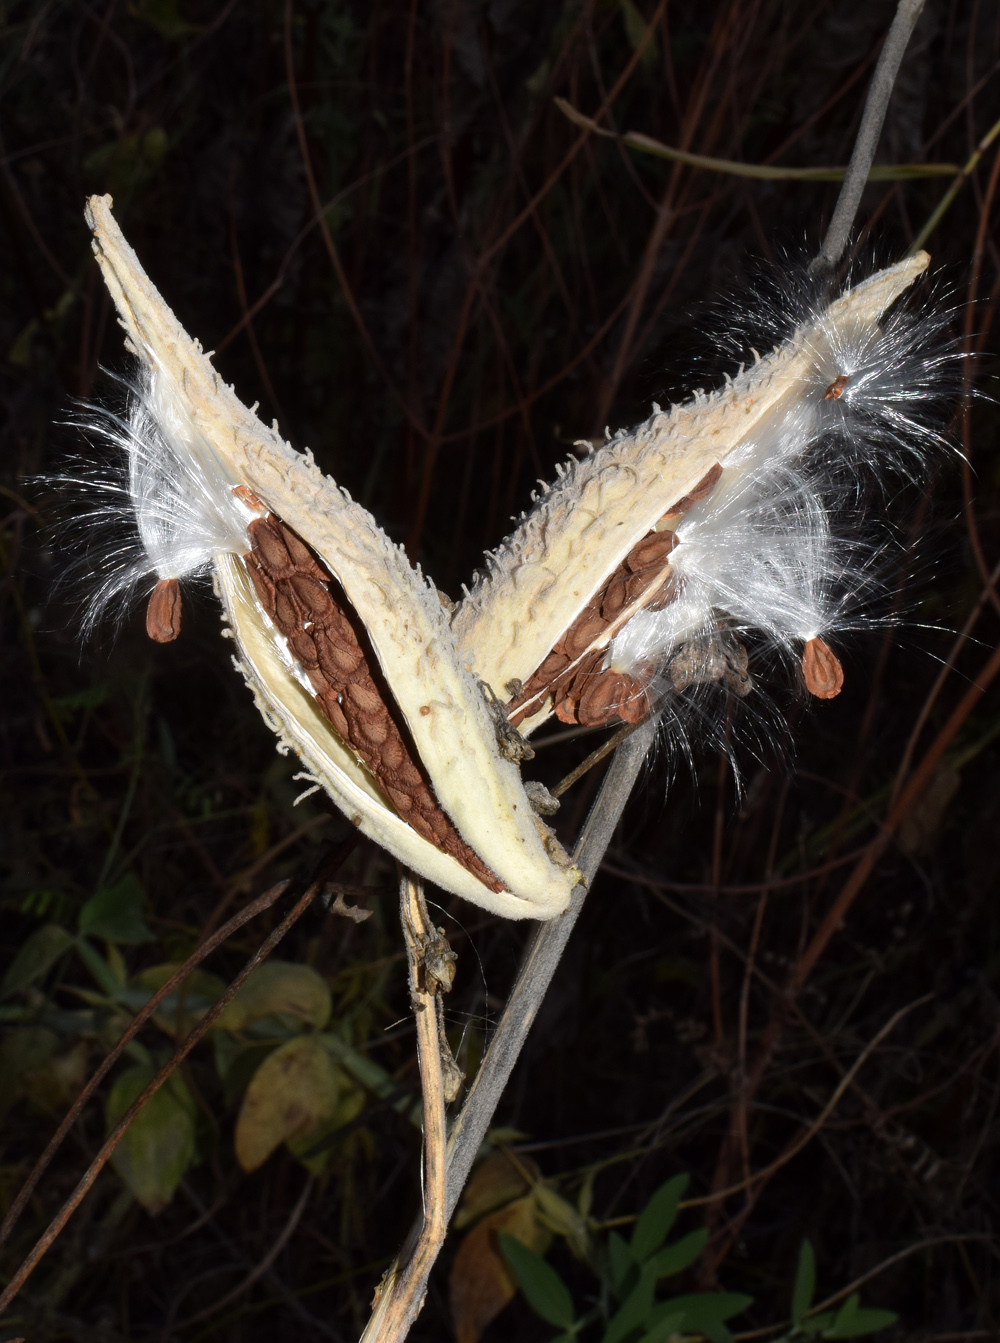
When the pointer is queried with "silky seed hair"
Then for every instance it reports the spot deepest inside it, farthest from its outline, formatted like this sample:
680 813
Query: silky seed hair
167 508
152 507
775 555
757 557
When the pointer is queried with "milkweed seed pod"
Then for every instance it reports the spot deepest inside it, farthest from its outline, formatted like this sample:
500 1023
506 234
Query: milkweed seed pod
642 570
345 645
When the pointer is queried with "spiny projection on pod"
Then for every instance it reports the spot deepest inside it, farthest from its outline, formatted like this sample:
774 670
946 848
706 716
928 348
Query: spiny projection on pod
641 577
345 645
182 512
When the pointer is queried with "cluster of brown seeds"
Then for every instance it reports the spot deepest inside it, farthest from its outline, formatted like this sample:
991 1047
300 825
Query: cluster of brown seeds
308 608
581 692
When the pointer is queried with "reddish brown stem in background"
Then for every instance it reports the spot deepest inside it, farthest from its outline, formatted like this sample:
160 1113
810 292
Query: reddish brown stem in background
45 1241
909 795
249 912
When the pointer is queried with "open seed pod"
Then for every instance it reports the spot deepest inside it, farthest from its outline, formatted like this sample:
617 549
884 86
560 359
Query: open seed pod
636 574
346 646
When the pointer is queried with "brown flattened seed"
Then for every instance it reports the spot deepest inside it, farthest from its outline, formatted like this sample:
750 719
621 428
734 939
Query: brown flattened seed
262 586
650 552
295 590
701 491
270 545
824 676
583 693
163 611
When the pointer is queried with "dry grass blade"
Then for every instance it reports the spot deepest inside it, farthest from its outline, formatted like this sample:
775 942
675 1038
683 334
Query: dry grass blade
764 172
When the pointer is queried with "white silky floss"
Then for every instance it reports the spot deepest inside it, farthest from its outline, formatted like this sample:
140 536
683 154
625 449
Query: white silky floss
760 554
166 506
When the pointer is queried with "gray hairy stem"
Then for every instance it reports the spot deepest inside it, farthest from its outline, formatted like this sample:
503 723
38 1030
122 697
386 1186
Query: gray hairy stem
401 1292
539 965
869 132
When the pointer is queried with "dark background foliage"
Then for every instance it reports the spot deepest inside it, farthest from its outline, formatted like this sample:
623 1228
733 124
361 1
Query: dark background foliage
394 240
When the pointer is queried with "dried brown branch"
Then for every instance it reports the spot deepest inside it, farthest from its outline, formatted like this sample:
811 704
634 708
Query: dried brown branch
406 1279
400 1295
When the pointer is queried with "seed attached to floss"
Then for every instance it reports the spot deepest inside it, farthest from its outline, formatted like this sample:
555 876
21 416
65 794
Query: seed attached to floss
725 527
163 611
824 676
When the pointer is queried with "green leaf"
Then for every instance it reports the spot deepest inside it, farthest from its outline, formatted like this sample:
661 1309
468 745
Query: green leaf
195 994
623 1268
664 1329
116 914
36 958
635 1312
805 1283
165 17
56 1083
158 1146
375 1078
852 1320
65 706
24 1051
677 1257
104 974
544 1290
702 1310
314 1150
290 1095
279 988
717 1332
562 1219
657 1217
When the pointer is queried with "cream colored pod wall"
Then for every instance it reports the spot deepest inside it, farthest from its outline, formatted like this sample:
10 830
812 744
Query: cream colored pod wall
540 579
440 700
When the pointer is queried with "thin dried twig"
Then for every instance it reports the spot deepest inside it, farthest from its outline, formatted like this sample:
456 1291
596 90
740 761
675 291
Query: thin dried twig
400 1294
905 801
803 1139
406 1280
45 1241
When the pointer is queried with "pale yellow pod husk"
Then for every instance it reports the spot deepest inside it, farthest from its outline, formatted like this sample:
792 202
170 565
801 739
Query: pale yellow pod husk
543 575
439 698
